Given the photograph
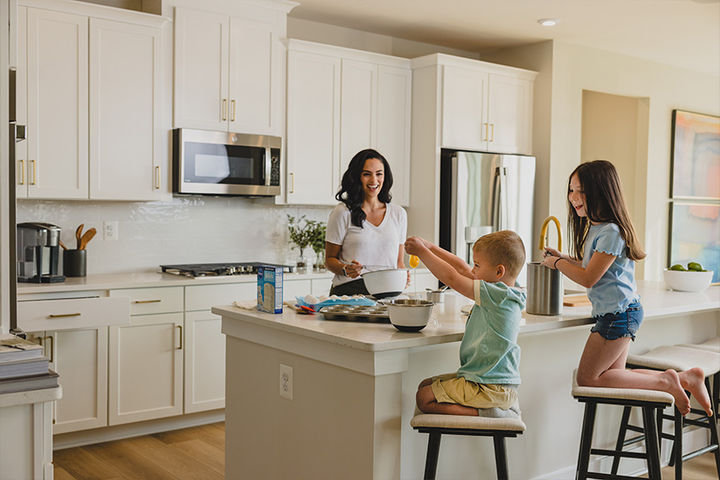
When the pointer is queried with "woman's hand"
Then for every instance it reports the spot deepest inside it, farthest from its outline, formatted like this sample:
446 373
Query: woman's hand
550 260
353 269
552 252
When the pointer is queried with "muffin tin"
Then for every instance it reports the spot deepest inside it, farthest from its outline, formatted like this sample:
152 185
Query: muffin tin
356 313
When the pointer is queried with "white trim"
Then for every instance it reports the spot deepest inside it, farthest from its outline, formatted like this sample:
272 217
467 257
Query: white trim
347 53
98 11
443 59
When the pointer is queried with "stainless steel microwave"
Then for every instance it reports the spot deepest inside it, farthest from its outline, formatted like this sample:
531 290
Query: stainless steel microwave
224 163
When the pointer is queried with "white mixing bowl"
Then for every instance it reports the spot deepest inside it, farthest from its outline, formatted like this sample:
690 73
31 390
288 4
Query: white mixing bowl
687 281
409 315
385 283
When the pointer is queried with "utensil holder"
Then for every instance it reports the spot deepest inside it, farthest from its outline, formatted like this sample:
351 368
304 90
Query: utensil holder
544 290
74 263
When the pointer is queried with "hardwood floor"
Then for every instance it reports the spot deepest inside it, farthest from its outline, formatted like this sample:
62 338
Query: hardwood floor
199 453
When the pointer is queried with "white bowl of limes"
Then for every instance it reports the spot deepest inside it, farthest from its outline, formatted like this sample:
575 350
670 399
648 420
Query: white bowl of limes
692 278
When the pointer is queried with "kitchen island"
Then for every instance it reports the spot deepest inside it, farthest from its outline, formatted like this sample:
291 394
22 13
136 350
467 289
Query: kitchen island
352 390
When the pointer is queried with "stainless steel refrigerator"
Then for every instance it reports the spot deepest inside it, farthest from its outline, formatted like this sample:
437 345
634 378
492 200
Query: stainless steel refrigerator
482 193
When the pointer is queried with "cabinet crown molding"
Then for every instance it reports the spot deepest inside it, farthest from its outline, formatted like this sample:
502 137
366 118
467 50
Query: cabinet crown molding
234 7
97 11
437 59
347 53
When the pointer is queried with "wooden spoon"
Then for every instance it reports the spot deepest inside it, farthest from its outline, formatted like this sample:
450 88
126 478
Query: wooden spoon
78 234
62 245
86 237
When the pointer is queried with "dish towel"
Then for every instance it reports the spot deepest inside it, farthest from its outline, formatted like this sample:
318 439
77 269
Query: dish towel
246 304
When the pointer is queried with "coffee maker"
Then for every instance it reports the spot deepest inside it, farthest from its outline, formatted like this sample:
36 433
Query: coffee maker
38 253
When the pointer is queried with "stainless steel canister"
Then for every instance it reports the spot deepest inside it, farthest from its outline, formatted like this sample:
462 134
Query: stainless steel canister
544 290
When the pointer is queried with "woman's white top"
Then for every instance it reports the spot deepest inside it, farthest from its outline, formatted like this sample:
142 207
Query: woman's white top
376 247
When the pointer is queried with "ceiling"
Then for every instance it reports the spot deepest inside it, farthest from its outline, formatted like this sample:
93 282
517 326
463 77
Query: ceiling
684 33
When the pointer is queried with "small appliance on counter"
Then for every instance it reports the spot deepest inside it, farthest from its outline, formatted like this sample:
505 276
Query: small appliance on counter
38 253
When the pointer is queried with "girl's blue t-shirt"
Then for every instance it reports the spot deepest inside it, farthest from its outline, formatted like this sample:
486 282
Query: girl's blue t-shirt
616 289
489 352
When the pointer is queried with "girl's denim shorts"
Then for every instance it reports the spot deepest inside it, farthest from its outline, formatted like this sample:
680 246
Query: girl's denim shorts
618 325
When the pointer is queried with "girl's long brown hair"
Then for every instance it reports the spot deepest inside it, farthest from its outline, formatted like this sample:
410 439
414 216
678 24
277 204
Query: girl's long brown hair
604 203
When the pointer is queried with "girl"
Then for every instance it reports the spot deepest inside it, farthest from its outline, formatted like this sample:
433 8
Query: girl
365 229
605 250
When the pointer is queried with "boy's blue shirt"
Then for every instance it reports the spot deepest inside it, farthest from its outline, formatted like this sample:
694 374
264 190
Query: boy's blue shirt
489 352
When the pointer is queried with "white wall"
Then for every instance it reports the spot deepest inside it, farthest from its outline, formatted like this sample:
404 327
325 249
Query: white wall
183 230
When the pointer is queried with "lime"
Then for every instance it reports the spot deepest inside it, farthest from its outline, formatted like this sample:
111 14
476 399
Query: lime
678 267
695 266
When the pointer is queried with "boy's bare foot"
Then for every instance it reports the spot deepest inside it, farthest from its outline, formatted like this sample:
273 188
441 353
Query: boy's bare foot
675 388
693 381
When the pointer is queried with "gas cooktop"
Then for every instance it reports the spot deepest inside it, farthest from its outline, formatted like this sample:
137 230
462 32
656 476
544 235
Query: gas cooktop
218 269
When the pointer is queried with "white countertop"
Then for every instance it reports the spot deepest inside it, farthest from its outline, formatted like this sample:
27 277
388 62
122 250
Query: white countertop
147 279
447 325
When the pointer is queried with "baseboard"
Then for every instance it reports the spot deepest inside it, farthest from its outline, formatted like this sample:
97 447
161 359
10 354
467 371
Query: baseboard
117 432
693 439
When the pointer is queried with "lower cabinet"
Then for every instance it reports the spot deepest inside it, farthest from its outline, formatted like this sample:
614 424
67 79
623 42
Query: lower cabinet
204 362
146 368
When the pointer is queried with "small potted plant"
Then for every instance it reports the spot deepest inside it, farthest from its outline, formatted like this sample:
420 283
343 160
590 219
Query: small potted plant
300 231
317 243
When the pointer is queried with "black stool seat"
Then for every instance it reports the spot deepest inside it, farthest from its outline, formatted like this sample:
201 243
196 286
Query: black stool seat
650 401
437 425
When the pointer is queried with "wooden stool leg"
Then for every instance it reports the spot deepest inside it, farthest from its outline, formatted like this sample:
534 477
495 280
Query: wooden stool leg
676 454
432 455
500 457
712 424
586 441
621 438
651 443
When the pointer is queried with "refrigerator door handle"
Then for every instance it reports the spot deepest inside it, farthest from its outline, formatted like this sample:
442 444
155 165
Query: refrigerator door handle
496 200
504 208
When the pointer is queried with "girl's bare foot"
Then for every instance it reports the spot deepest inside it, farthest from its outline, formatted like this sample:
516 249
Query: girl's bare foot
675 388
693 381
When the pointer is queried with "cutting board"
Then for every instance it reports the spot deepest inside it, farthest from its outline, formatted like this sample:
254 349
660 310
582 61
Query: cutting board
576 301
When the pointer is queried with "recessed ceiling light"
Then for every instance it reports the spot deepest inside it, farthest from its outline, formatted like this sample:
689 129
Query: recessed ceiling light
548 22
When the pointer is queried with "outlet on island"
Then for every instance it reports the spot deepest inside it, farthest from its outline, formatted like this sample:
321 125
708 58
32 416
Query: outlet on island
286 382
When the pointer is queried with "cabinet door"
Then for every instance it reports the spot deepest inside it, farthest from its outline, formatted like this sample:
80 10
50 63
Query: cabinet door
321 286
296 288
357 109
393 126
255 84
145 365
463 108
21 159
57 95
201 70
124 106
80 358
509 114
312 132
204 362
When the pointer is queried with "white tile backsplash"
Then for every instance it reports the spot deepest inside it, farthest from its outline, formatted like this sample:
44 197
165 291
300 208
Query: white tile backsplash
182 230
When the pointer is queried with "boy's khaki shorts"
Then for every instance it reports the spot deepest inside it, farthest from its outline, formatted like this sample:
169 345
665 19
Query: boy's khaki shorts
449 388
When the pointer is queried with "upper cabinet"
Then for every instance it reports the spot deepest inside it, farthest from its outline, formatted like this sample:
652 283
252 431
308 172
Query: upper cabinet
89 94
230 70
341 101
485 107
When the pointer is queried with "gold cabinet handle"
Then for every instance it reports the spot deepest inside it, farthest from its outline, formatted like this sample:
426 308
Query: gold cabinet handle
292 182
157 177
22 172
224 109
181 339
232 110
32 162
147 301
485 135
52 348
63 315
492 132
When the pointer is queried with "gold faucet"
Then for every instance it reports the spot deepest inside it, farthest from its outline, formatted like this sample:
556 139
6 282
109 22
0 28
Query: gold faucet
543 233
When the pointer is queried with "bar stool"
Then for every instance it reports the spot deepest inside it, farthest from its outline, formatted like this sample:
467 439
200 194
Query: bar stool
678 358
438 424
649 400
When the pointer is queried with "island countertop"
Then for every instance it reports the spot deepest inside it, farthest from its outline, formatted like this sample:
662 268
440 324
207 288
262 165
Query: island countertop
447 324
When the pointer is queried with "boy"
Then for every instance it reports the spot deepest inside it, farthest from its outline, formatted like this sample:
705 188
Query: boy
489 355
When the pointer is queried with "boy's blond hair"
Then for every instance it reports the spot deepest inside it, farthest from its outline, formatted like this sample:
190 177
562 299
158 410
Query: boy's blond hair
504 247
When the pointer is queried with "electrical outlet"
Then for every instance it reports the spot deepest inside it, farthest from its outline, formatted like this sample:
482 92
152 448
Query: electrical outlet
110 230
286 382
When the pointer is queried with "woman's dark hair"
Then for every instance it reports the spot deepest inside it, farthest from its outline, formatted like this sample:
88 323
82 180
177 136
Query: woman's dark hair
351 191
604 203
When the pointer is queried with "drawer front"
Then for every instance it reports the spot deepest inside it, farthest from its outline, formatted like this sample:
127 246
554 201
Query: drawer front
203 297
296 288
38 315
145 301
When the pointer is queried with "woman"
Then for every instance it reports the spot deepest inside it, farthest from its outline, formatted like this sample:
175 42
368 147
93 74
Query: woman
365 229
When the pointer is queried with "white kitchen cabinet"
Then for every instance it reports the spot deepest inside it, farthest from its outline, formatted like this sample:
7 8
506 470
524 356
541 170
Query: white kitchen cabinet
486 111
146 368
341 101
321 286
296 288
89 79
229 71
125 135
204 362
